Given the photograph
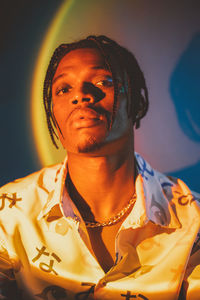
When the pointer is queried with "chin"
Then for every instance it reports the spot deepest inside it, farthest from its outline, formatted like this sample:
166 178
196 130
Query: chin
90 145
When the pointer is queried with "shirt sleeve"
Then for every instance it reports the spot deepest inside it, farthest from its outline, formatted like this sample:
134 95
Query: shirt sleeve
8 285
191 283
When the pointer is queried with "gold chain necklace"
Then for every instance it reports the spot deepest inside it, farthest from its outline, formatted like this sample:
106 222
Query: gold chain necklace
114 219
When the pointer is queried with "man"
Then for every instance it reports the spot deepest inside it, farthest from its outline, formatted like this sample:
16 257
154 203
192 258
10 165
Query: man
103 224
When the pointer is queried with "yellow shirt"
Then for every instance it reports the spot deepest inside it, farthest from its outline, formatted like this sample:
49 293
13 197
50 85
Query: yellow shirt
44 246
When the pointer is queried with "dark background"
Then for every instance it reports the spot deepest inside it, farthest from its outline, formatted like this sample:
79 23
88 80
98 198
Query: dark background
23 24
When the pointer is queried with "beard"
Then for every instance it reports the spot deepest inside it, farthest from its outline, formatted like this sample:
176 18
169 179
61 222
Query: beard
90 145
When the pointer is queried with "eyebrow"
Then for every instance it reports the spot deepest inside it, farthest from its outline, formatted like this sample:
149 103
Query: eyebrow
57 77
101 67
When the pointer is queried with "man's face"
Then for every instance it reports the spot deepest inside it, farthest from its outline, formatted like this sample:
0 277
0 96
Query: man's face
83 96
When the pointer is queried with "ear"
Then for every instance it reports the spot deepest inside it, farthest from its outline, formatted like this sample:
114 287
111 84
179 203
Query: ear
140 112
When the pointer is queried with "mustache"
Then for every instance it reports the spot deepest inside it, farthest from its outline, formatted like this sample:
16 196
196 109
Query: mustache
98 110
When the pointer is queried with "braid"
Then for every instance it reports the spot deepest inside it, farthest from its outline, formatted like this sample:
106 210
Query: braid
118 61
47 94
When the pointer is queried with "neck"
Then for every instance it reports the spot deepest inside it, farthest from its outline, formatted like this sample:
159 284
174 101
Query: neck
102 185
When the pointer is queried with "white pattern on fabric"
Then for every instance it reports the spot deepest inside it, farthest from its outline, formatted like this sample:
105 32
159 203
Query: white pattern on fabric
44 250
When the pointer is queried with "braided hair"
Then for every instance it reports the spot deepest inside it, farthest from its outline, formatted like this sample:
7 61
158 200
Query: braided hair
117 59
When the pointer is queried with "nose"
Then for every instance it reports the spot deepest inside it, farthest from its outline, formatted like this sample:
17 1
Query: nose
89 94
83 99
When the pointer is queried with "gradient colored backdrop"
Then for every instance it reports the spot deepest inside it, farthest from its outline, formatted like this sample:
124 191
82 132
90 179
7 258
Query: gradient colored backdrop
163 35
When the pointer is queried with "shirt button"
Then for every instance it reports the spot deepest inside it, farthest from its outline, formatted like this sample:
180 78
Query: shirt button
62 227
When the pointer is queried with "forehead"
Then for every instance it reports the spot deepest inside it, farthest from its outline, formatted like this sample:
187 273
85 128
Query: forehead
82 57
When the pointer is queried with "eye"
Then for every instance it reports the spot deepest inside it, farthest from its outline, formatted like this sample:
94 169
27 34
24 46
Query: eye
63 90
107 82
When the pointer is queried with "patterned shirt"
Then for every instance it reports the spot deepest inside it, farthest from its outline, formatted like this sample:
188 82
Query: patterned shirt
45 249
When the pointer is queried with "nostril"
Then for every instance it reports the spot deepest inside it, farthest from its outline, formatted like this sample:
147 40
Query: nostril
86 99
75 101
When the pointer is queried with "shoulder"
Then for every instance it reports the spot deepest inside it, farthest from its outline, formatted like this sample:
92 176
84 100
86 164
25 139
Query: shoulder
42 178
169 194
28 193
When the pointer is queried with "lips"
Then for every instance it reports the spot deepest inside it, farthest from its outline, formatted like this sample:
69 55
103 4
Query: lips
85 118
86 114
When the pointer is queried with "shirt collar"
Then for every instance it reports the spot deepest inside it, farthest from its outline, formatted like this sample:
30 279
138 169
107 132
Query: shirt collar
154 198
55 195
153 190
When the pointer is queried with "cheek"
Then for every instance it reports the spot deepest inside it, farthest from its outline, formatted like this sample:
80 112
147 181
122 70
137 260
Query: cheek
107 102
121 122
60 112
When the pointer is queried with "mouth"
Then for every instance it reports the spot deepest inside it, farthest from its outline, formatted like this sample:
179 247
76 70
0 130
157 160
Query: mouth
86 123
87 118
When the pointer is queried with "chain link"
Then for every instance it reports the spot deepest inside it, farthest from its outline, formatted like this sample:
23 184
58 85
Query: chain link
114 219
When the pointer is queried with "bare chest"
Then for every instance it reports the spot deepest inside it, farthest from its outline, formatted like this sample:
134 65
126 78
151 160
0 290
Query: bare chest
103 244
